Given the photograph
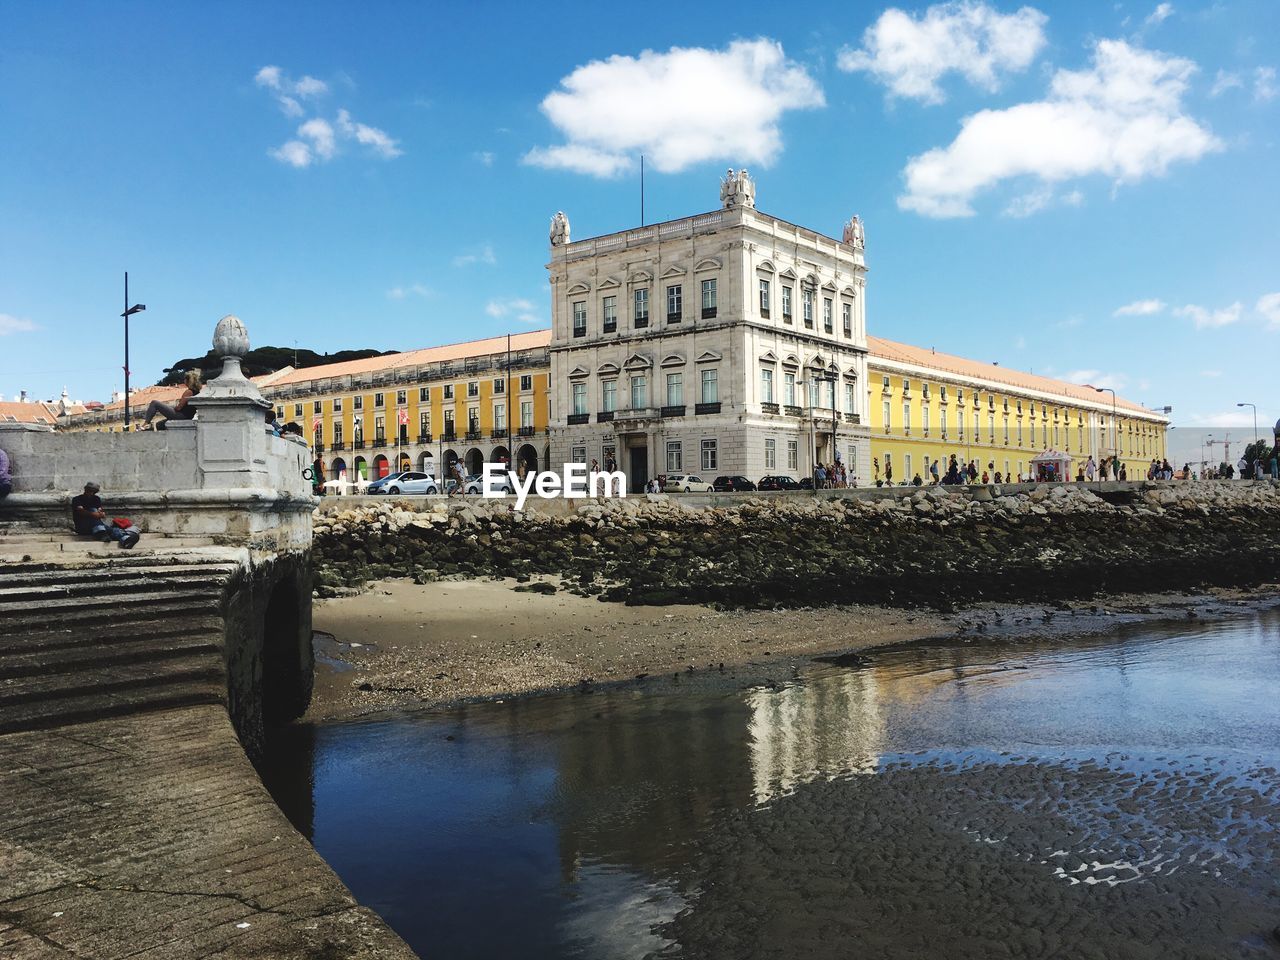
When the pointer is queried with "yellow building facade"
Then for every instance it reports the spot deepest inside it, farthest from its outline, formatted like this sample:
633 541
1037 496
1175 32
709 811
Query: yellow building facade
927 406
479 401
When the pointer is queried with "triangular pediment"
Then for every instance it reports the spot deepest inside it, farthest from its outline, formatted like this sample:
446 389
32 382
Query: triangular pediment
608 283
577 373
849 292
768 357
641 276
673 272
788 274
829 287
708 356
638 362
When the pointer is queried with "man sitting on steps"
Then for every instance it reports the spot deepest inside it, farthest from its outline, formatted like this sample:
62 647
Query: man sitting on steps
90 520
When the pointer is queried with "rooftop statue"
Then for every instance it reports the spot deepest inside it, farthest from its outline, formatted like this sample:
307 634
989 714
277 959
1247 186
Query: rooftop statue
854 234
737 190
559 229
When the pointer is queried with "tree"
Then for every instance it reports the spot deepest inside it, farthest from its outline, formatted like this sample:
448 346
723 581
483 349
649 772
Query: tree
263 360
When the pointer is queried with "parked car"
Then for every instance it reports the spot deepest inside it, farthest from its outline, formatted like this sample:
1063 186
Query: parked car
778 483
732 484
380 485
475 484
685 483
413 483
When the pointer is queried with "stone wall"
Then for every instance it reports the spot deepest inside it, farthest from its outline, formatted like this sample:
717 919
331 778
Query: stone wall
933 546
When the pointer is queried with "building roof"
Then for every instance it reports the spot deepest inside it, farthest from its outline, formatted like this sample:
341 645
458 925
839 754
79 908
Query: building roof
534 339
29 411
882 349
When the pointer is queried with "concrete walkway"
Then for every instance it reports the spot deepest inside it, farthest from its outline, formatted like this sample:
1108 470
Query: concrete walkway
150 836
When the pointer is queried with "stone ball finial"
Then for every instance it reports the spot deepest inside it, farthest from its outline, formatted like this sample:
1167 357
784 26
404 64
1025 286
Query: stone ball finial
231 337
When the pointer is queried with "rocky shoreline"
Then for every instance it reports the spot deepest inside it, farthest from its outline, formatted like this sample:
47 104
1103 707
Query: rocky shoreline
937 547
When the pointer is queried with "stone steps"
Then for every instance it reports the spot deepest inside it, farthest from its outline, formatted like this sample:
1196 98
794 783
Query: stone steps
56 636
38 589
99 705
93 607
95 654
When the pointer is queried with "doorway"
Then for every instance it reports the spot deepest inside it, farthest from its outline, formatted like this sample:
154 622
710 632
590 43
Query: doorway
638 475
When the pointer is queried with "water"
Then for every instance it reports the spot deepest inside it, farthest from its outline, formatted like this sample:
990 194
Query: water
576 825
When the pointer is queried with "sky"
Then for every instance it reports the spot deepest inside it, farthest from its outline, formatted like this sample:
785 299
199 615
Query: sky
1084 190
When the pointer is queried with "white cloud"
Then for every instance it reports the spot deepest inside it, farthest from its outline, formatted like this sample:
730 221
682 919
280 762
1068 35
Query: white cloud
1269 306
678 108
1264 84
320 133
295 153
484 157
288 92
910 56
11 324
1096 378
1228 418
518 308
1158 16
485 256
1140 308
382 144
416 289
1223 82
1206 319
1122 118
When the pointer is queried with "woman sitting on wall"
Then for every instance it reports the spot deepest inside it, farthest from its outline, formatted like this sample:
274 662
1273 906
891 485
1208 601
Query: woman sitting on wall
181 410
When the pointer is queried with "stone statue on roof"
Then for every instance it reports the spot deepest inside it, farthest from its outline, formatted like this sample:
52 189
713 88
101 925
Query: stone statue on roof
559 229
737 190
854 234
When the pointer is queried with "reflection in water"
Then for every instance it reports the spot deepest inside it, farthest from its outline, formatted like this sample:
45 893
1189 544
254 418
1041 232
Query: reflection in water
808 730
559 826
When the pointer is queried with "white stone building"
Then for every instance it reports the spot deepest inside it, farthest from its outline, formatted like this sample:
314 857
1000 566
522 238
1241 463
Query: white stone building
729 342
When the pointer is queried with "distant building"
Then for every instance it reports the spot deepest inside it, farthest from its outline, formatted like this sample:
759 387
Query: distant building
731 342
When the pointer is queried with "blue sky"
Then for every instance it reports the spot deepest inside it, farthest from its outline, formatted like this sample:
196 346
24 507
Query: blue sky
383 175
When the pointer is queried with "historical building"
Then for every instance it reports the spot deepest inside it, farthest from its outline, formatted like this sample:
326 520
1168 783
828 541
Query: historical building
927 406
731 342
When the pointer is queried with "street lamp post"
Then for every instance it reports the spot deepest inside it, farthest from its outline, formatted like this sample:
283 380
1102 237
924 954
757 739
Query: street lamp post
1255 418
1115 430
128 312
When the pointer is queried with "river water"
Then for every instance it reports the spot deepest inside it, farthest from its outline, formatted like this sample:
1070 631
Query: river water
1114 796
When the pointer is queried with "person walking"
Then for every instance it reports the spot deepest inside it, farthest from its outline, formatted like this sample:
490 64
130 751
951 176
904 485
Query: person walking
933 472
1275 462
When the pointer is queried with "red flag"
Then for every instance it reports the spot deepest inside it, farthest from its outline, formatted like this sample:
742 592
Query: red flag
403 417
315 424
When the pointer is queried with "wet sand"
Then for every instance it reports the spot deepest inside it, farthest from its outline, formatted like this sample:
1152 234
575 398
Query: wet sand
401 645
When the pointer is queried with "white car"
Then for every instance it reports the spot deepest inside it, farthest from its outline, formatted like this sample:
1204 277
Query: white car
685 483
412 483
499 484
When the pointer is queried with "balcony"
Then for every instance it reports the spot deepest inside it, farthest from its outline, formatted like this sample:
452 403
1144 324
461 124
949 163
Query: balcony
319 447
764 313
379 441
498 433
575 419
637 413
786 318
769 407
791 410
857 418
702 408
610 326
641 322
673 317
473 434
579 331
604 416
424 438
526 431
357 445
674 411
449 436
338 445
708 313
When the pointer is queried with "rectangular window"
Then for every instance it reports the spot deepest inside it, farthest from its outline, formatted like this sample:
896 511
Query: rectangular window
906 387
337 433
403 430
639 392
708 299
786 304
580 318
526 381
578 454
357 430
337 404
710 456
579 398
424 424
609 395
764 298
526 413
609 313
448 394
766 384
675 303
887 412
771 454
473 388
1006 433
400 398
906 467
449 429
991 427
379 400
280 411
885 383
847 316
850 394
826 315
379 427
675 389
499 385
942 393
793 454
641 316
806 301
710 386
675 456
297 409
924 418
500 416
789 389
318 406
906 418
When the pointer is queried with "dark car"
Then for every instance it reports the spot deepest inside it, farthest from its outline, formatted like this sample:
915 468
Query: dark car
806 483
778 483
732 484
